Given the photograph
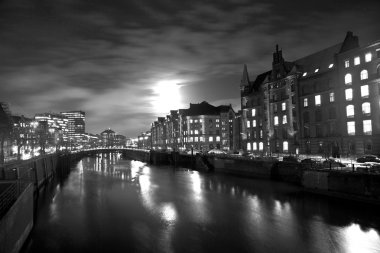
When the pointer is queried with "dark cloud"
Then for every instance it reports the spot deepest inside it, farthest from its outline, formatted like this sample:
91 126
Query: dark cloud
108 57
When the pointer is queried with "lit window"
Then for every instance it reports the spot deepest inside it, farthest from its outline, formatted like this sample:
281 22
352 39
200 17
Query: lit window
364 75
191 131
191 121
366 108
283 106
275 120
217 138
202 139
351 128
261 133
254 123
350 111
254 146
217 120
364 90
261 146
318 100
201 120
316 70
196 121
210 139
305 103
348 94
367 127
346 63
196 139
348 79
368 57
249 146
248 124
195 131
191 139
331 65
357 60
253 112
332 97
304 74
285 146
284 119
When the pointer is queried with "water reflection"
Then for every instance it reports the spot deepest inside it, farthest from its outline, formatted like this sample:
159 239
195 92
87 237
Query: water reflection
110 203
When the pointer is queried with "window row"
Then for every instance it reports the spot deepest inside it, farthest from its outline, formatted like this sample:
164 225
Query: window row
363 76
350 110
284 120
367 58
364 92
202 139
318 99
367 127
253 146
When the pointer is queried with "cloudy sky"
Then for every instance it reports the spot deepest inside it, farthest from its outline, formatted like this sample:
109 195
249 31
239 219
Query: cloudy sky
125 62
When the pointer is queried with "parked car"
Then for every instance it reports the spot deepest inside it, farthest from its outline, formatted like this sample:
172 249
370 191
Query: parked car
290 159
195 151
368 158
216 151
332 163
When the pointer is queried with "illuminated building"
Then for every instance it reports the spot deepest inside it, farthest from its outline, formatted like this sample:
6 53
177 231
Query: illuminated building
76 124
108 137
326 103
202 126
144 140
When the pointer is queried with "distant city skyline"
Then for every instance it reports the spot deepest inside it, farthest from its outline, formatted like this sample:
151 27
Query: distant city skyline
125 64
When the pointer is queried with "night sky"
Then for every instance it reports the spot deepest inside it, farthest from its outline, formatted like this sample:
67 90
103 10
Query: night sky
126 62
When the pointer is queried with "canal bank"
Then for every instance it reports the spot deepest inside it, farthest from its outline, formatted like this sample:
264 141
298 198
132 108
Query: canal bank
357 186
110 204
20 184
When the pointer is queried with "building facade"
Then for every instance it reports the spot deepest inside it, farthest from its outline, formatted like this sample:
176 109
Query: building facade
76 125
202 126
326 103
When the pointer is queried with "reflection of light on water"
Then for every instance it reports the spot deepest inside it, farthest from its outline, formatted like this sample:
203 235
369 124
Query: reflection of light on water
196 180
168 212
146 192
135 168
80 167
361 241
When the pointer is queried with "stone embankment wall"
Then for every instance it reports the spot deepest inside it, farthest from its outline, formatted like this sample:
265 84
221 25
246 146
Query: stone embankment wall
343 184
27 177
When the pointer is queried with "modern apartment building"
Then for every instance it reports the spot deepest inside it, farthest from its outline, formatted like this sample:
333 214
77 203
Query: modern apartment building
76 124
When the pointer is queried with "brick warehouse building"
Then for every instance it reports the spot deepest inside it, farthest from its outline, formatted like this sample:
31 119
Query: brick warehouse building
202 126
327 103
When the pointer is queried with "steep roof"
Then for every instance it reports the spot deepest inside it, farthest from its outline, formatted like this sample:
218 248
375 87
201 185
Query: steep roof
321 59
205 108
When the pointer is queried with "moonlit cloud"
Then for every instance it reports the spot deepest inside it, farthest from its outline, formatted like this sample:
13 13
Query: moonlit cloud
107 57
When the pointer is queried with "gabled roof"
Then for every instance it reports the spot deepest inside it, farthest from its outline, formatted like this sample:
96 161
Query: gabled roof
205 108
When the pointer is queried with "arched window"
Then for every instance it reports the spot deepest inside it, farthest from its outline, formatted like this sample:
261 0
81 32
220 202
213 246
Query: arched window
254 146
348 79
364 74
366 108
348 93
275 120
261 146
350 111
248 146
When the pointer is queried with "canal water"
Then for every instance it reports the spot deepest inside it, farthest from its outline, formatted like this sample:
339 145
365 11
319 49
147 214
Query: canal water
108 204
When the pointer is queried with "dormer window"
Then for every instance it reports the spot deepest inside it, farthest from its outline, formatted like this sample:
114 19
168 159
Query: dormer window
316 70
331 65
304 74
